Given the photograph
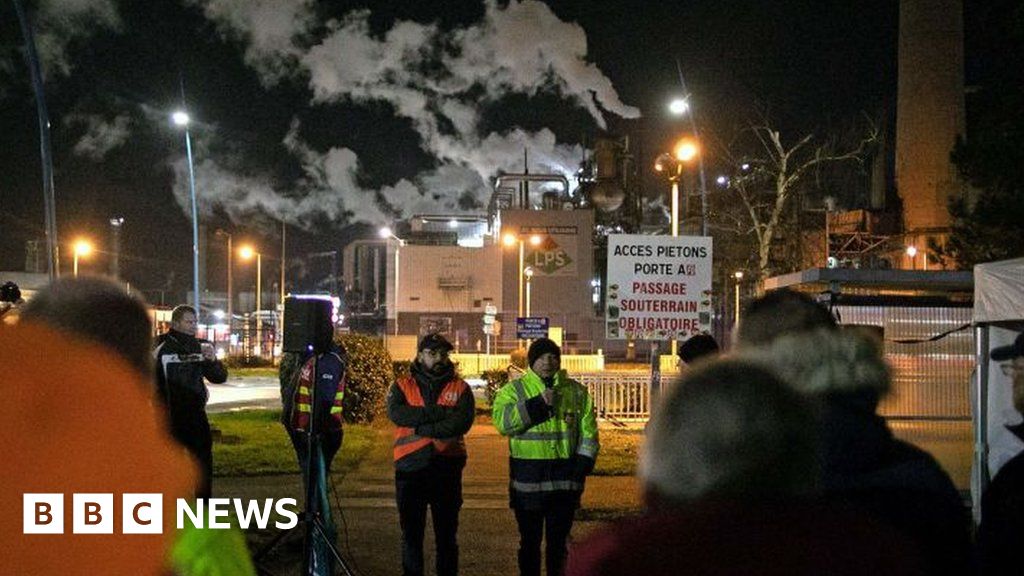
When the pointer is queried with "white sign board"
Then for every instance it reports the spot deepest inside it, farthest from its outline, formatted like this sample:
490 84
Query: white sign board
659 287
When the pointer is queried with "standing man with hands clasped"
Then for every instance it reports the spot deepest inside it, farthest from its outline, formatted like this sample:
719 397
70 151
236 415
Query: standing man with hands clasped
432 408
552 430
182 362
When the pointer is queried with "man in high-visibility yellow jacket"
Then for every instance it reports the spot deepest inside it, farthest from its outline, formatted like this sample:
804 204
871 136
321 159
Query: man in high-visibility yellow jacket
552 429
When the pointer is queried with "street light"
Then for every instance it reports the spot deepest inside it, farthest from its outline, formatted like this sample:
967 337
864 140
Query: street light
685 150
231 316
181 118
388 235
511 239
115 247
528 272
738 275
80 248
680 107
912 253
247 252
280 318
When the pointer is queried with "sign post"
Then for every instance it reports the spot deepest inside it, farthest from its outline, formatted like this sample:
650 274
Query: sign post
659 287
531 328
490 311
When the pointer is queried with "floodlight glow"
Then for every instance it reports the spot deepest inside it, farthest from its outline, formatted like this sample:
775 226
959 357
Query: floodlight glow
679 106
686 150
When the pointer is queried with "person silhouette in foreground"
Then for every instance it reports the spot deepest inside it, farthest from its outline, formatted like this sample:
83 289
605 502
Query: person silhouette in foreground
81 357
1002 505
843 372
730 478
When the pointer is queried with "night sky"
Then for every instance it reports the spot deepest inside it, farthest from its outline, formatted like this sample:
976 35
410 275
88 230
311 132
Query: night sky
330 114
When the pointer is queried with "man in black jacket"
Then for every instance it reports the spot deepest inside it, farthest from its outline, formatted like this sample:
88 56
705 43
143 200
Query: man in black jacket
432 409
182 362
842 370
1002 505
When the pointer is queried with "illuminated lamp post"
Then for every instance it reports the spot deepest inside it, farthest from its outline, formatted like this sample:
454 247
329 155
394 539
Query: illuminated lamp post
247 252
181 118
230 312
528 273
388 235
512 240
681 107
912 253
81 248
684 152
738 275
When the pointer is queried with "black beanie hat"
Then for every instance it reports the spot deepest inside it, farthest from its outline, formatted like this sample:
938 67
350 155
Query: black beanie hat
697 347
540 347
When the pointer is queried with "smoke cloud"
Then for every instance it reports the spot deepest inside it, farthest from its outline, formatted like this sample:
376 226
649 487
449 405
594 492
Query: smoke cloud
439 80
271 30
59 22
101 136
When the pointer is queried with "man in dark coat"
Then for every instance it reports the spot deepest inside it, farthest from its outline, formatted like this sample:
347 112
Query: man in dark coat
1002 506
843 371
432 409
730 478
182 362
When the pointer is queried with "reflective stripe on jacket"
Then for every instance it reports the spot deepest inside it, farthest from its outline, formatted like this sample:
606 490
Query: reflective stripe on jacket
406 439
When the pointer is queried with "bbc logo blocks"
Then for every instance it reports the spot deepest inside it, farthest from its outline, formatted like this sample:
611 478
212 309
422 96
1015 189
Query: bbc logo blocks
92 514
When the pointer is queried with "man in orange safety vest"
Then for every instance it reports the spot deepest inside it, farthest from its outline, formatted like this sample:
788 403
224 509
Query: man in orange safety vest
432 408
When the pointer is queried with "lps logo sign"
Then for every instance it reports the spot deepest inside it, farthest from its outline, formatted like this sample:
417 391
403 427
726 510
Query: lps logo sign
143 513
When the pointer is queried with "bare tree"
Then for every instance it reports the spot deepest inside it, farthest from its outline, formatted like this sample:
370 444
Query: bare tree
771 173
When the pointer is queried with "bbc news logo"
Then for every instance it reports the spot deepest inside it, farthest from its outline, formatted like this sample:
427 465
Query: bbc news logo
143 513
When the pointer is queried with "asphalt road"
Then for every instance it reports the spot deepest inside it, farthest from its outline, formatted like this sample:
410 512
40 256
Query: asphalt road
250 392
367 521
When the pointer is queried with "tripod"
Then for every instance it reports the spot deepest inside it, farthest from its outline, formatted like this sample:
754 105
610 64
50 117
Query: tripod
318 539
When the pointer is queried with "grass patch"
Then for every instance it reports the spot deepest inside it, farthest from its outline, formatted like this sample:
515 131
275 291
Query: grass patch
249 372
254 443
619 452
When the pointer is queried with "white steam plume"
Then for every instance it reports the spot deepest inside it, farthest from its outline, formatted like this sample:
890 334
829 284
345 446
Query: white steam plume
101 135
59 22
271 30
439 80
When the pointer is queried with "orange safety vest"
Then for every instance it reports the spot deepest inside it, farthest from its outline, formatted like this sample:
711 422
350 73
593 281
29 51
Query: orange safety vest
406 440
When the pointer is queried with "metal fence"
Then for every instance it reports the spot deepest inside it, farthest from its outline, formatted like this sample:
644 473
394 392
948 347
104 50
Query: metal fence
931 379
476 364
619 397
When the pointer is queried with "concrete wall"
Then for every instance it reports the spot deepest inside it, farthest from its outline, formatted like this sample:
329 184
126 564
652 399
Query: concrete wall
563 268
444 288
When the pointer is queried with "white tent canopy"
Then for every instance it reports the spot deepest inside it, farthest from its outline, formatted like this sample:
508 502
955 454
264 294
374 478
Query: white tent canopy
999 291
998 308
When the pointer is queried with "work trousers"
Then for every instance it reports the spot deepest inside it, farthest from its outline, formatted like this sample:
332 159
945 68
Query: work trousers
439 486
556 518
192 430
